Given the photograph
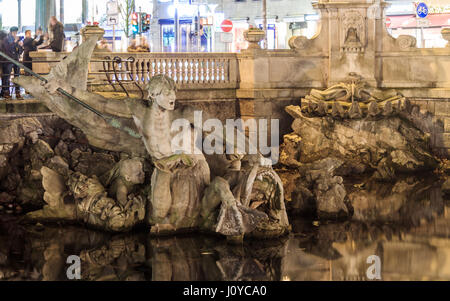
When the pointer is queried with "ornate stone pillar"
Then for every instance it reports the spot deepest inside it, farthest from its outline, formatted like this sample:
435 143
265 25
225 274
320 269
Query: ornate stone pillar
446 35
92 31
354 36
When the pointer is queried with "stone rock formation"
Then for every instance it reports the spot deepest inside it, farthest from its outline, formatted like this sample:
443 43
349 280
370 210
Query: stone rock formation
314 190
374 133
352 129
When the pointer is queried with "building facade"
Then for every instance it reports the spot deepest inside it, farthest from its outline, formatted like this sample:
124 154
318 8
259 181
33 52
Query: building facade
195 25
402 20
285 18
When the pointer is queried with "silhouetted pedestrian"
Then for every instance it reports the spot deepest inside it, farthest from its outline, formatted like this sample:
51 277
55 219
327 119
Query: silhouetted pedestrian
30 44
3 36
12 47
57 36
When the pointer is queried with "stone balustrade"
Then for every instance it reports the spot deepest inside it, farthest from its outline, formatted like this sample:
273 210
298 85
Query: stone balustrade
188 70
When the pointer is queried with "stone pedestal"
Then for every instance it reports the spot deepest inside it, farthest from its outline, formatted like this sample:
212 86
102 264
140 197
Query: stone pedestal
92 31
446 35
253 36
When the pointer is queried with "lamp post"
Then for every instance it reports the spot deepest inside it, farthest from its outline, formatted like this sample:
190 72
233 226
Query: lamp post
264 3
19 14
177 27
199 39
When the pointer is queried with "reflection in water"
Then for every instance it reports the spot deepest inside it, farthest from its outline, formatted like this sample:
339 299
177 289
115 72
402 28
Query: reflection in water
406 224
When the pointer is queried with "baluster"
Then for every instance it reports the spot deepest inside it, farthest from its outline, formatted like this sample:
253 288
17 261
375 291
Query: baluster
168 67
150 68
195 64
191 71
122 70
209 70
132 70
143 71
158 66
218 68
147 68
198 71
185 71
211 66
224 70
180 71
138 70
174 70
163 66
218 63
205 70
173 73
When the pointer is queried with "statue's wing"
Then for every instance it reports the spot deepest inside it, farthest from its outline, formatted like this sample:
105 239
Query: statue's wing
74 68
98 132
72 72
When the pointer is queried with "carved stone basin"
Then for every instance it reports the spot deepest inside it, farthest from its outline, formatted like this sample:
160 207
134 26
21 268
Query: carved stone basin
254 36
446 35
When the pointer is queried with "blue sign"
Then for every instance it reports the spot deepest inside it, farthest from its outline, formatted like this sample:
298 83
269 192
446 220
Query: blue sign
422 10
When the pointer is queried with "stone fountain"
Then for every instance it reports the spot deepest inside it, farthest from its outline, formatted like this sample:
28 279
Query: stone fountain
352 120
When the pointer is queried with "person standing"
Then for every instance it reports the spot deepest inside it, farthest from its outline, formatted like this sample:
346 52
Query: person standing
30 44
12 47
3 36
57 36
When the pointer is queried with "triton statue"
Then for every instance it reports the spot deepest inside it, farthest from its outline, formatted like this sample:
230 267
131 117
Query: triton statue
233 195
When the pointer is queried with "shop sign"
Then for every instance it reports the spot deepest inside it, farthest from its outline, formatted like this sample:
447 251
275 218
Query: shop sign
439 9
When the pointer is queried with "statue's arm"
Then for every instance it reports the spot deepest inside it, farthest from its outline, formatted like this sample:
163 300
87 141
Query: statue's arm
110 106
136 107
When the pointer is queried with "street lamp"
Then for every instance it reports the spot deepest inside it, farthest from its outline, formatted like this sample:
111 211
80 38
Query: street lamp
265 22
177 26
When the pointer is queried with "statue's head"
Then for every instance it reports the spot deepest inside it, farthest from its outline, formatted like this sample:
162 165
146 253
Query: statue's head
162 90
132 171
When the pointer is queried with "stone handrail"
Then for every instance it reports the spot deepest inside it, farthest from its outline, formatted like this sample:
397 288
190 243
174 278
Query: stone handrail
191 71
188 70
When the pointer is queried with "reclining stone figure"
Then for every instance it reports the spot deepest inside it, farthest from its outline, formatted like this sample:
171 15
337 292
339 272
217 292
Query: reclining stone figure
180 180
